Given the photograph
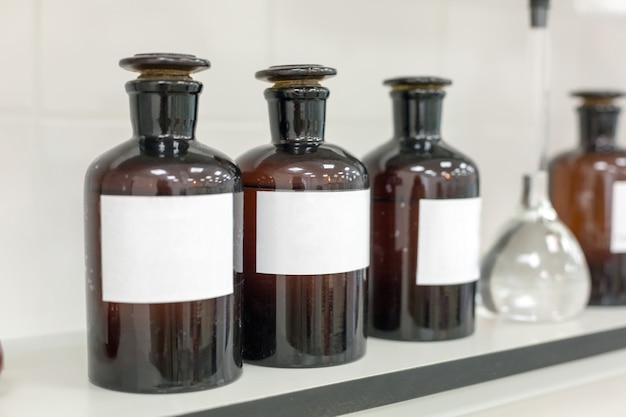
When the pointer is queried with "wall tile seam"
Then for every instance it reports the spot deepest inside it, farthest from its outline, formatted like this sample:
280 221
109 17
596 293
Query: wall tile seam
37 57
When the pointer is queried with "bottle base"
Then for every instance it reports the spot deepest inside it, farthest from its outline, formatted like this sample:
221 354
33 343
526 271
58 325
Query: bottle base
608 301
420 335
305 361
172 388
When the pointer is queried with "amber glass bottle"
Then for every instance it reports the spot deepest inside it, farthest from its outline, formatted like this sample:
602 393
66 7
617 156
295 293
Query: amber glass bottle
588 191
306 233
425 223
163 300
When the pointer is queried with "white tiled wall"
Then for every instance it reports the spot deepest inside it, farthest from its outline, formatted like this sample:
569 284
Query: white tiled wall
62 101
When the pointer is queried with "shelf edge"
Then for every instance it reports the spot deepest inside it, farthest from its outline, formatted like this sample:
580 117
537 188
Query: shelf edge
379 390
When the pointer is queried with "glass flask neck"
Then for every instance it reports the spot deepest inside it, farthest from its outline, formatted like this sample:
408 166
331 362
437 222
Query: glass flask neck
297 115
417 113
535 195
163 109
597 126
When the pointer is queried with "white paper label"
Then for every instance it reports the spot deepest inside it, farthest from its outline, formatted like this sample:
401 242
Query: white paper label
312 232
238 231
618 218
166 249
449 241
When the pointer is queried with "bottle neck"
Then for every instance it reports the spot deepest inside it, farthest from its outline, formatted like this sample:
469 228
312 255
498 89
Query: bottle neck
535 195
297 115
417 113
597 126
162 109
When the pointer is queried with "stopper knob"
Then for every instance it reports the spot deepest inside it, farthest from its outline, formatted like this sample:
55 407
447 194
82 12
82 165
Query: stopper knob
304 72
165 62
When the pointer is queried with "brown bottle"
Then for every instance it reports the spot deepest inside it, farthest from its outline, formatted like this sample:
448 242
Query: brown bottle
588 191
425 223
306 233
163 302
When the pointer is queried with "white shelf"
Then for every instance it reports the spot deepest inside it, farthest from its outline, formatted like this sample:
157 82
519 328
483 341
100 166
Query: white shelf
591 386
49 373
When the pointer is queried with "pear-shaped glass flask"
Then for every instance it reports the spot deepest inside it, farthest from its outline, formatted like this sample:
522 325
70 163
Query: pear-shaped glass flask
536 270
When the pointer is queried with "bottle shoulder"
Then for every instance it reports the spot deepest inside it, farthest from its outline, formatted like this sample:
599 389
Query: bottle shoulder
198 169
581 159
275 156
403 171
323 167
566 155
416 156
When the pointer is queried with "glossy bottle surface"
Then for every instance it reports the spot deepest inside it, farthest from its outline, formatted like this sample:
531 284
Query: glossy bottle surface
303 319
585 186
415 165
164 346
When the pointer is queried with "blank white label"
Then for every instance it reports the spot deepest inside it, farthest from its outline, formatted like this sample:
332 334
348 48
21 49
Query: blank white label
166 249
618 218
449 241
238 231
312 232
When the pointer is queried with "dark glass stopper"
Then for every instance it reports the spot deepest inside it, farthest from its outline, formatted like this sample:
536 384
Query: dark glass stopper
539 13
597 97
311 72
426 83
165 62
598 118
610 94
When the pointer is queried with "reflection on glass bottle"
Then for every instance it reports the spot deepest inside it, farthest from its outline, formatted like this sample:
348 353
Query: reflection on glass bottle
163 301
113 330
306 233
588 191
535 270
425 223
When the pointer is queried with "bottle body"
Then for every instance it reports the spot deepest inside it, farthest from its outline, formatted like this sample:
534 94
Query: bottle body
586 193
402 176
166 346
162 214
303 319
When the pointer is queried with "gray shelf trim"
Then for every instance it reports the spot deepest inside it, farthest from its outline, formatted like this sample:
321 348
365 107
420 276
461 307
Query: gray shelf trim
375 391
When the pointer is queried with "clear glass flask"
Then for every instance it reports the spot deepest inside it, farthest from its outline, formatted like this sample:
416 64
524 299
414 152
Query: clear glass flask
536 270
